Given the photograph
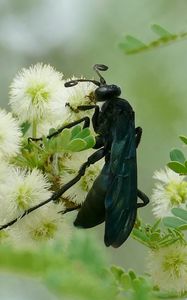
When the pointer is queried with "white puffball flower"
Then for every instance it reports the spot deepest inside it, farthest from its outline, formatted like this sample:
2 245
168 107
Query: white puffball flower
5 172
170 191
10 135
78 192
22 190
42 225
168 268
80 94
38 94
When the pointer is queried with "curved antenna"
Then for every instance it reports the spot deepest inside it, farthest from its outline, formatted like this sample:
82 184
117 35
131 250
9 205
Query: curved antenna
100 67
97 68
76 81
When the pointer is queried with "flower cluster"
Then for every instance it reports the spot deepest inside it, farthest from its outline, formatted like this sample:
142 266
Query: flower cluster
29 171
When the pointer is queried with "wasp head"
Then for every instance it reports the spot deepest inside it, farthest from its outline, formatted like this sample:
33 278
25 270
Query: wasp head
107 92
104 91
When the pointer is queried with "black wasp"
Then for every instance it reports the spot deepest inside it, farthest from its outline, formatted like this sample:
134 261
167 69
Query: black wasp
113 196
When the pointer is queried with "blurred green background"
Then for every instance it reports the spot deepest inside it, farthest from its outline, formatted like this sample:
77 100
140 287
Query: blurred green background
72 35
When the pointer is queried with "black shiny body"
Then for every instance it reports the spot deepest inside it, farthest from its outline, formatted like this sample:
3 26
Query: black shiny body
113 196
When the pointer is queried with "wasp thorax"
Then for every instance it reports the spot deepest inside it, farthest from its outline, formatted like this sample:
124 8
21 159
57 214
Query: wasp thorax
106 92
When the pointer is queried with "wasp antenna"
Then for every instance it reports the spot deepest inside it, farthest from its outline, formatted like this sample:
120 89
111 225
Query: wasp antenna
75 82
100 67
70 83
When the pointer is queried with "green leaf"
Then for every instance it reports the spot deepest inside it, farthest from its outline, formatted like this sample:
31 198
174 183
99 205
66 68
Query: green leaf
76 145
177 155
132 274
163 33
155 236
131 43
140 235
65 137
155 225
83 133
52 130
180 213
177 167
90 140
117 272
25 127
125 281
75 131
173 222
183 227
183 138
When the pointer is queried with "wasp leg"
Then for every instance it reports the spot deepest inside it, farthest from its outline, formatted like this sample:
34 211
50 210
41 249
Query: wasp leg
138 131
86 121
98 142
69 209
143 197
95 115
86 107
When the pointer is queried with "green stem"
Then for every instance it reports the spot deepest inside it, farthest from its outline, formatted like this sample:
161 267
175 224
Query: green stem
34 129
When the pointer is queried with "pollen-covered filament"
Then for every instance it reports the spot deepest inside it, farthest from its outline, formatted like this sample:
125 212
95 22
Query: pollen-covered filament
177 192
23 197
174 263
44 232
38 93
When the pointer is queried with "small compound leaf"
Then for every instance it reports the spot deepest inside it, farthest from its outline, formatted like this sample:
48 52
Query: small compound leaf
90 140
132 274
75 131
52 130
173 222
183 227
180 213
126 282
76 145
84 133
65 137
140 235
131 44
117 272
59 144
137 285
177 167
177 155
155 236
155 225
183 138
163 33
